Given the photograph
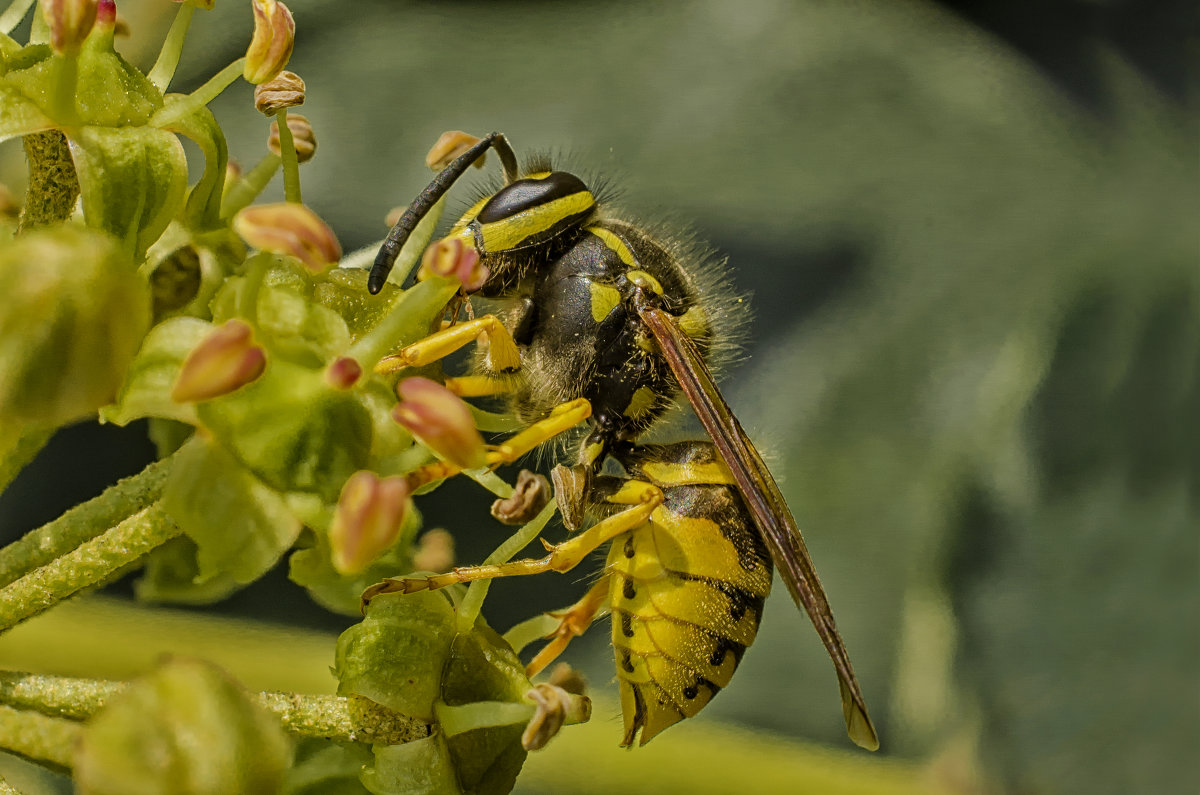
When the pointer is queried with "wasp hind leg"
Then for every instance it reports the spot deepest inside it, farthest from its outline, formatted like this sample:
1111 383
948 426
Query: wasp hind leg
572 623
502 349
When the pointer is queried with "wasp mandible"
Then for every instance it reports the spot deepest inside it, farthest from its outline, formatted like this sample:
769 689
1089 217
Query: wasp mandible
611 323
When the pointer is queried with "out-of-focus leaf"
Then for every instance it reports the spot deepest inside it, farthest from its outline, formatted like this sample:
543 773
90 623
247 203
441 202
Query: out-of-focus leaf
241 527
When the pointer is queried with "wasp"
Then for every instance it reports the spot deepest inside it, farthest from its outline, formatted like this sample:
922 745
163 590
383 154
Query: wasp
611 324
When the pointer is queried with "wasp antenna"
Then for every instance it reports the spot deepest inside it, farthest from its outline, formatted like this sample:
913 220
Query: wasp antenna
420 207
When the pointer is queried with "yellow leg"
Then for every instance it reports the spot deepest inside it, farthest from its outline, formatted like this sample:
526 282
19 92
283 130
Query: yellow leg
572 623
479 385
502 350
562 418
644 499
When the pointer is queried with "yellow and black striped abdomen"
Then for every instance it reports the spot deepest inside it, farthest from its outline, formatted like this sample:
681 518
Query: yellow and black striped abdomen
687 593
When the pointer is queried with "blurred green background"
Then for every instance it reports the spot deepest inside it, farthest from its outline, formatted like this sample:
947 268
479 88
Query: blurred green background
970 229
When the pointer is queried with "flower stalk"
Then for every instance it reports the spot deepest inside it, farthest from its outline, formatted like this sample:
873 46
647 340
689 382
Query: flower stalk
168 57
92 563
82 523
344 718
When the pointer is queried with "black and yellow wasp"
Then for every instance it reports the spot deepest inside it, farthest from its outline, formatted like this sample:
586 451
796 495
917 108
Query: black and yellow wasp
604 321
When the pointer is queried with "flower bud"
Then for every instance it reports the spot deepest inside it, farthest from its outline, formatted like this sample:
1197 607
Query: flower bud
70 22
225 360
291 229
285 90
449 146
303 138
449 257
343 373
271 46
367 521
435 551
187 727
441 421
73 314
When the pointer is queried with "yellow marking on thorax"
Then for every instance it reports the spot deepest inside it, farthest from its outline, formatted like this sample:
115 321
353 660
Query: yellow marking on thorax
604 300
690 474
510 232
694 322
642 401
614 244
468 217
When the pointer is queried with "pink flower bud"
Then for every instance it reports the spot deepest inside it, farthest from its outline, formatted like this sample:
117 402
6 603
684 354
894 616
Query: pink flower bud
271 46
367 521
225 360
70 22
441 421
343 373
449 257
291 229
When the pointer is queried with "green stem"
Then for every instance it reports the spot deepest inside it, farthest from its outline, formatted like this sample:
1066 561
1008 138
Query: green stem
246 189
38 736
90 564
472 603
346 718
66 82
82 523
391 330
53 183
291 164
186 106
168 58
256 271
13 15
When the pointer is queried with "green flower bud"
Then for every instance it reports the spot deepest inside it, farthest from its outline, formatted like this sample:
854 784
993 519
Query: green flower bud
271 47
186 729
72 315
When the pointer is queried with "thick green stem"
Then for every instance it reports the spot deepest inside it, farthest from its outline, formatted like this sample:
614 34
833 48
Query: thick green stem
291 164
168 58
82 523
37 736
53 183
90 564
350 719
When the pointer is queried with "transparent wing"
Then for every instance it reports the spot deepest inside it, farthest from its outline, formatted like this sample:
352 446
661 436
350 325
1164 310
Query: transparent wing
770 511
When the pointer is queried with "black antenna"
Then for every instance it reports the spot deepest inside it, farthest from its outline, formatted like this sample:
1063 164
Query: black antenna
396 238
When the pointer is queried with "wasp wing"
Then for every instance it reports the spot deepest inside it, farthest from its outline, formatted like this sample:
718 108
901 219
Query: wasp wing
766 503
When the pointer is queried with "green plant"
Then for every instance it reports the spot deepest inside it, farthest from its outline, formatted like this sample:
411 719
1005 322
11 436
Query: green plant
231 327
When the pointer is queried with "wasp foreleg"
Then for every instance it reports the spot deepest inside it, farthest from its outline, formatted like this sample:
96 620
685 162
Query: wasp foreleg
502 350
